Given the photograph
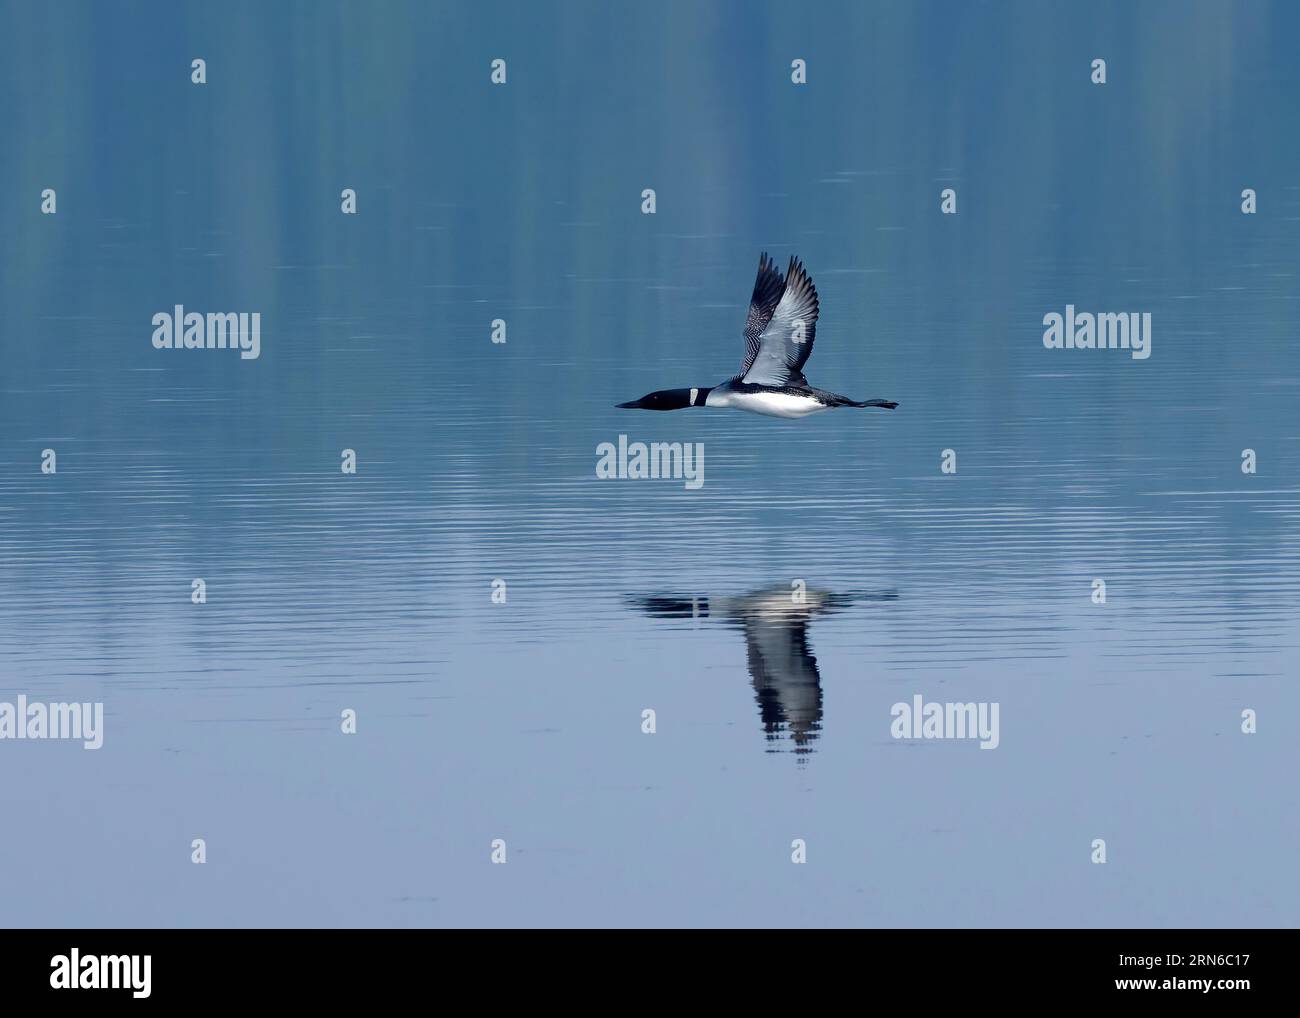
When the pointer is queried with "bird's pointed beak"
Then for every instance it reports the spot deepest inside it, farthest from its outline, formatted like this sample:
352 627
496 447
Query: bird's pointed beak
632 405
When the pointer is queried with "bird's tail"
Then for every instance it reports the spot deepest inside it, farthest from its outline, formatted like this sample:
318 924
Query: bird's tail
835 399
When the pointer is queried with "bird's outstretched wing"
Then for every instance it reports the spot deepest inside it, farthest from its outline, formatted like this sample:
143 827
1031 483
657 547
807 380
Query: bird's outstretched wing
786 341
768 288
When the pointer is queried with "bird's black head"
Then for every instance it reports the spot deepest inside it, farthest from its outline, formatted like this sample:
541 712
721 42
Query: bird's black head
667 399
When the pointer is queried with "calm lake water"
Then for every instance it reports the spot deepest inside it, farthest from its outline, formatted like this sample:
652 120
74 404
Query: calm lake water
476 462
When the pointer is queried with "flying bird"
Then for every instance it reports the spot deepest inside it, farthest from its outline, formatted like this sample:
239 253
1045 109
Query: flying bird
779 336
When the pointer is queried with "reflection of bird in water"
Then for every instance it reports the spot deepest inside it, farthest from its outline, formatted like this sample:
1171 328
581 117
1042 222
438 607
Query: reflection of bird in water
782 668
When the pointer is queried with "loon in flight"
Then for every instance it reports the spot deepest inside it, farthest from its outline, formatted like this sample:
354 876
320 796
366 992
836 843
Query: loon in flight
779 337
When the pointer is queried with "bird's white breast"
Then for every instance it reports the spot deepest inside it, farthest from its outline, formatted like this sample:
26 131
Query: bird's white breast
772 404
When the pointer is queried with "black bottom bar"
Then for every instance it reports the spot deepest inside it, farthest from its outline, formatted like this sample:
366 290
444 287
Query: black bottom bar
45 968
